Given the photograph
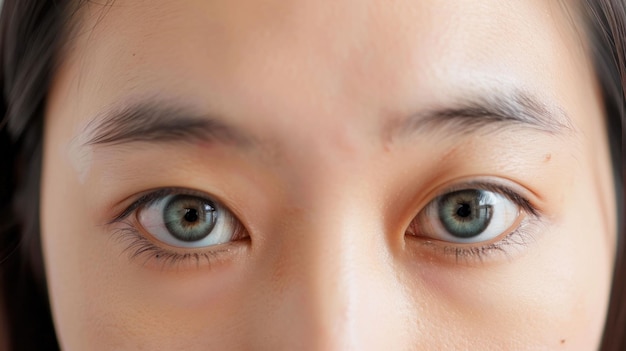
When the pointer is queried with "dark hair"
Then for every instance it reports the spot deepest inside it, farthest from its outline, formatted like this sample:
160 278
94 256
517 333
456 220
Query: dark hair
32 33
29 39
607 35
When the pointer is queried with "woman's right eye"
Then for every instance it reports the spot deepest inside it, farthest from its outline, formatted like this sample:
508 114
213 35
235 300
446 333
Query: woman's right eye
188 221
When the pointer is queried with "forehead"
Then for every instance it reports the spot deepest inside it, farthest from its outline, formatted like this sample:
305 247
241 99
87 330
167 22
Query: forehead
373 49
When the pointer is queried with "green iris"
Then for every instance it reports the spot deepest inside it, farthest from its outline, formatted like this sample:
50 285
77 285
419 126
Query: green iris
465 213
189 218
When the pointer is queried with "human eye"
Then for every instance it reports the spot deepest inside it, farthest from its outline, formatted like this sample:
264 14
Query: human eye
171 225
476 219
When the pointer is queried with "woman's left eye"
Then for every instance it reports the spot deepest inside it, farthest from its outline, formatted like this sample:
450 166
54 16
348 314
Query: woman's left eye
466 216
188 221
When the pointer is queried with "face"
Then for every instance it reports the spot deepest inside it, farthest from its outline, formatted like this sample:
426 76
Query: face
327 175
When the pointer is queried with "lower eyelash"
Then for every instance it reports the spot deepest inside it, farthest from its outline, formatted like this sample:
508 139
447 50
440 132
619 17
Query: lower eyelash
518 239
137 246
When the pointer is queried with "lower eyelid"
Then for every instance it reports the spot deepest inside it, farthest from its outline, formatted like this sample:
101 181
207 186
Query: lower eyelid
515 242
139 248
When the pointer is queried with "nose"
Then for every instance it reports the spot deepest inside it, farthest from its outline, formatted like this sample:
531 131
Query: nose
332 284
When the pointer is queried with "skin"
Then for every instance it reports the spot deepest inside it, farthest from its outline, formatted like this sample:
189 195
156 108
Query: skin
325 195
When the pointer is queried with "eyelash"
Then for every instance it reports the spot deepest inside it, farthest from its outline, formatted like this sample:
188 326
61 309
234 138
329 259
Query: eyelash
138 245
519 237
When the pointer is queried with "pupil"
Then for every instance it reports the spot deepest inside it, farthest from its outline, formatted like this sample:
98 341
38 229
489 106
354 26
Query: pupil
191 215
464 210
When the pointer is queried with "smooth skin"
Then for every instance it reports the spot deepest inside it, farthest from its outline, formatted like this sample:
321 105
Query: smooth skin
325 187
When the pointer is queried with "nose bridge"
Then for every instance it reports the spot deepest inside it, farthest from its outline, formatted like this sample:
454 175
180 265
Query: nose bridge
345 295
334 270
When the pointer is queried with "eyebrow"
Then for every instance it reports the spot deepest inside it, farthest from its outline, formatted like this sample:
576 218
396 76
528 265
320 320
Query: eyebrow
157 122
487 113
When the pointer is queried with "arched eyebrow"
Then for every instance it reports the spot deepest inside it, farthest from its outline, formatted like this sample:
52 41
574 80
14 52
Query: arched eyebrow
152 121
